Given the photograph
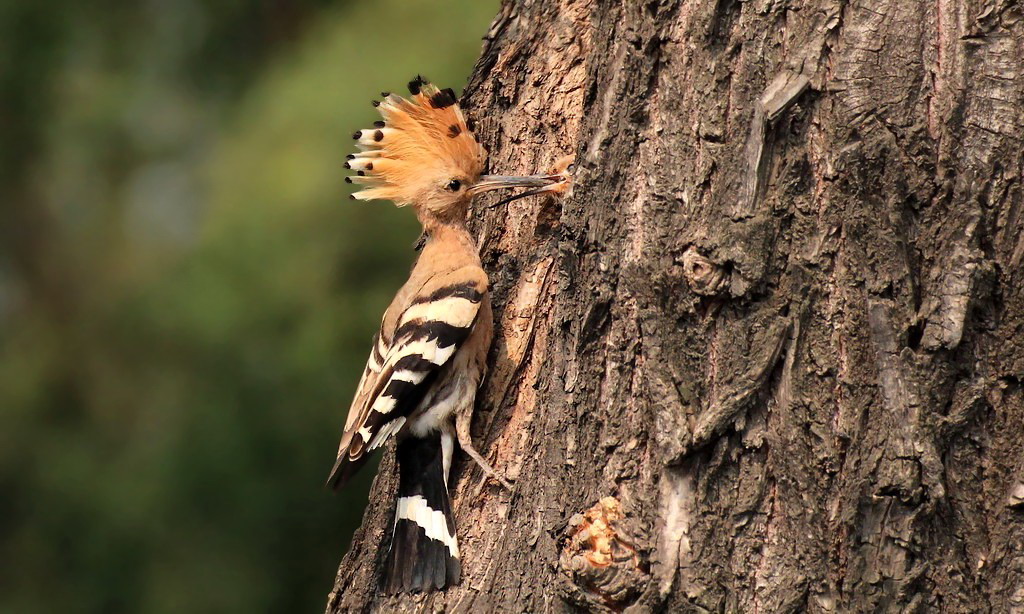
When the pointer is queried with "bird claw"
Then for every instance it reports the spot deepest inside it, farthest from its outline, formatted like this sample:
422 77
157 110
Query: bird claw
490 473
485 467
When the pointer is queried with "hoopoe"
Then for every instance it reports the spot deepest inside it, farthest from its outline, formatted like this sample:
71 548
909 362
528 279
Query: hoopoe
429 356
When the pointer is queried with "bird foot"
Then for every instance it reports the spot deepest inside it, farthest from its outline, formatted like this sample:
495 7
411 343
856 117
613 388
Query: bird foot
466 443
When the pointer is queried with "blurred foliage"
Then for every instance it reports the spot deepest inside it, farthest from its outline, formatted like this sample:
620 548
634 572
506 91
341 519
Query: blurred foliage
186 292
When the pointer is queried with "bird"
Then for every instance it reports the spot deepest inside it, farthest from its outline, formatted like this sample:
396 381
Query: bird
429 356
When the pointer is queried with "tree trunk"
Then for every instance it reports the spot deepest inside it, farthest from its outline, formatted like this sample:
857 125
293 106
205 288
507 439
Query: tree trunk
767 356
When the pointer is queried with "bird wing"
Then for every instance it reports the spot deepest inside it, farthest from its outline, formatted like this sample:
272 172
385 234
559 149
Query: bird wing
399 372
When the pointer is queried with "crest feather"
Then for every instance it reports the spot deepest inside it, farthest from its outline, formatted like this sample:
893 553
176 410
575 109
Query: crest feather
422 140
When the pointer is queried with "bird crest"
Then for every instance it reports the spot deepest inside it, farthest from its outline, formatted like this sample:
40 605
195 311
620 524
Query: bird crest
421 147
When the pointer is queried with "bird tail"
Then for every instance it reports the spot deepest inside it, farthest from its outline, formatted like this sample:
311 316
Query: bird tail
424 552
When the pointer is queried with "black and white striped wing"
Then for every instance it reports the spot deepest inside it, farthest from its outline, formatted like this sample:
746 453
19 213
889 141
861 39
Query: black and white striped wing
429 332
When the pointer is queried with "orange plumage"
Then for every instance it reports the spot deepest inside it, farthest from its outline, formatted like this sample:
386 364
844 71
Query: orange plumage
420 147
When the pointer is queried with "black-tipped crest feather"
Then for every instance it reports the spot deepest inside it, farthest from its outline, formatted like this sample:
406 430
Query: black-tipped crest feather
416 84
443 99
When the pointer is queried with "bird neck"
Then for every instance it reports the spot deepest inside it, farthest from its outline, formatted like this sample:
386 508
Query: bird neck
432 220
449 234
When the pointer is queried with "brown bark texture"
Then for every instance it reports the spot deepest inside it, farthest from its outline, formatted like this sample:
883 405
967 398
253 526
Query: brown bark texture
767 356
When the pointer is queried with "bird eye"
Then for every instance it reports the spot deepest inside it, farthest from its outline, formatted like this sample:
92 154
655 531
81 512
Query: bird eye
454 185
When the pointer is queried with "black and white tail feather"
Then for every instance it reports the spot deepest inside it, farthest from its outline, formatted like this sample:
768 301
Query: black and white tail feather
424 551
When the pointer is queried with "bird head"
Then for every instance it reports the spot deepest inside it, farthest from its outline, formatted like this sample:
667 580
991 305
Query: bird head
423 153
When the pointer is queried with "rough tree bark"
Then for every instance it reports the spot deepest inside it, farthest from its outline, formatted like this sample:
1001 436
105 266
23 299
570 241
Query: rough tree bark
768 356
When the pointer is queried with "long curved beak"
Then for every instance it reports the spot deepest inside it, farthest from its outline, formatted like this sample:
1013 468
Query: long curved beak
538 183
498 182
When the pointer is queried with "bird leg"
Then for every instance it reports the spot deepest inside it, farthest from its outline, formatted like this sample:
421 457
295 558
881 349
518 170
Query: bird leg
462 424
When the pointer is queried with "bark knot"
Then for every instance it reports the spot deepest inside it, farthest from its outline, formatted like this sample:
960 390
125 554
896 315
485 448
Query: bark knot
601 559
704 276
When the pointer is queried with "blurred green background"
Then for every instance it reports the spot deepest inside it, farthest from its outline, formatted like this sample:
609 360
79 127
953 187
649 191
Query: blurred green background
187 294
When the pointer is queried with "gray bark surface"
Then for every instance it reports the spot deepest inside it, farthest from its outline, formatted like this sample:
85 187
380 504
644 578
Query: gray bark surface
767 356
